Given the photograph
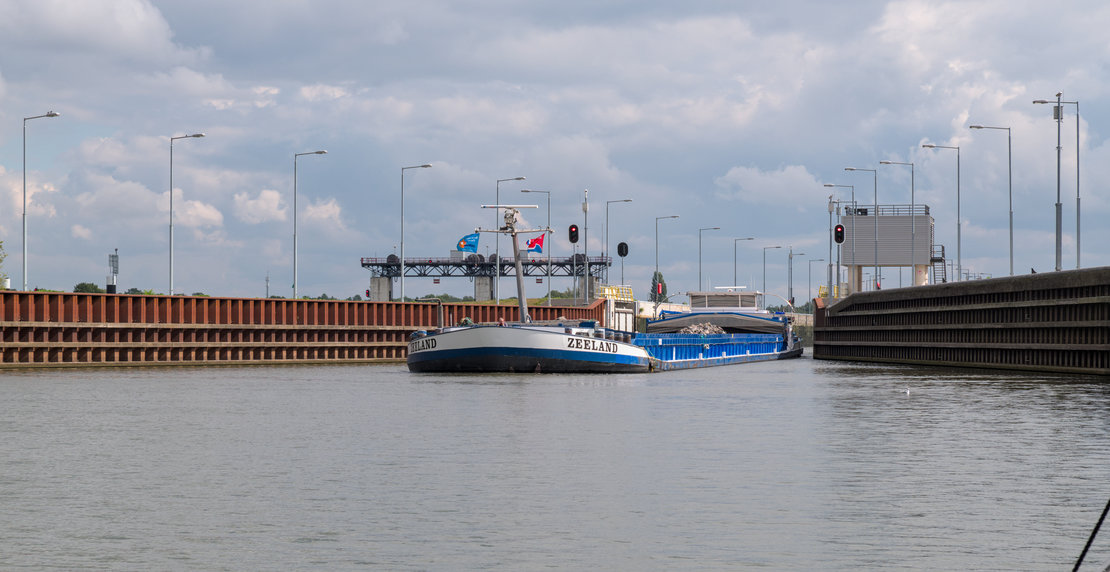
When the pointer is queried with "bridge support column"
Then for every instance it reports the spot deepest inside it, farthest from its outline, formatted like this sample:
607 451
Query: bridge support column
381 289
483 288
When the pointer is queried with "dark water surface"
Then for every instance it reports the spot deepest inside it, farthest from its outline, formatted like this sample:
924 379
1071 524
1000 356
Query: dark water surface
794 465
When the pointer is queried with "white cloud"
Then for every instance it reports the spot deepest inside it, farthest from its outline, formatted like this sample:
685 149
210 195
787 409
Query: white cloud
785 188
326 213
266 206
130 29
78 231
196 214
321 92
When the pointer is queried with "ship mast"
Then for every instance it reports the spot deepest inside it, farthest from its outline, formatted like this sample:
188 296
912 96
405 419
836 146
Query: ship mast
510 228
522 301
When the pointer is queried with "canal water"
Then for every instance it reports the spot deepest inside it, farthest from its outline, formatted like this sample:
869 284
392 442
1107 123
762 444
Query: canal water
793 465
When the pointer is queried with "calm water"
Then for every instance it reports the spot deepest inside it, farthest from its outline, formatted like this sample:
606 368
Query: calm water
796 465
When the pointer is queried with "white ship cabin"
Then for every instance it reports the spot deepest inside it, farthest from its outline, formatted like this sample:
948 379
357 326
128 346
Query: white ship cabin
723 300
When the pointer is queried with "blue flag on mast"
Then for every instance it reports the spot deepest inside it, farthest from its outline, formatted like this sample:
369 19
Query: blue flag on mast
468 243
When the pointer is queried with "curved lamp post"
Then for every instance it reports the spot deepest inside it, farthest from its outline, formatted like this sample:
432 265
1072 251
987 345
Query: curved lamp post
809 285
913 219
295 155
959 265
25 120
699 251
607 223
657 219
1010 170
762 295
403 169
734 241
875 174
549 242
172 139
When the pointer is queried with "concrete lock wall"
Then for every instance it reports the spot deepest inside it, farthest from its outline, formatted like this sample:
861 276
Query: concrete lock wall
57 329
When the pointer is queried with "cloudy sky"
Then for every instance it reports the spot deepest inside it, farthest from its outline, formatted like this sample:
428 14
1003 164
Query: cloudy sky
728 114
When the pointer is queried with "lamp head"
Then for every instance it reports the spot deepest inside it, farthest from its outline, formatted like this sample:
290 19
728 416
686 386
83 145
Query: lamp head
52 114
928 146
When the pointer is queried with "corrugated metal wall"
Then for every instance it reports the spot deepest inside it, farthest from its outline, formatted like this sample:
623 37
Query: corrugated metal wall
52 329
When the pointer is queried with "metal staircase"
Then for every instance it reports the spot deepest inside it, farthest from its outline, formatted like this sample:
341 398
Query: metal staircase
940 269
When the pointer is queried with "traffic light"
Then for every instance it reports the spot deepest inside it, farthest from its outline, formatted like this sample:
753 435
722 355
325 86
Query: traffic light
622 249
838 233
573 232
659 288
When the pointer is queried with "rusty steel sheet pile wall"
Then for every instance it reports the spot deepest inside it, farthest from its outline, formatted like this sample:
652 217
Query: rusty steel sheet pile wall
55 329
1048 322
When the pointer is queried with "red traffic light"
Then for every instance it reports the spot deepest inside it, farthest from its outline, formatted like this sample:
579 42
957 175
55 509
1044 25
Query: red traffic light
838 233
573 233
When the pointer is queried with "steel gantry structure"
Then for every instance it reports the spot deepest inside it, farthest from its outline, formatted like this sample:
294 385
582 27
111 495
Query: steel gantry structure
478 265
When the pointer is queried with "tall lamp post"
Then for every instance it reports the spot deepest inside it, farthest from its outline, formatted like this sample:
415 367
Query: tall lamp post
657 219
403 169
607 222
1058 115
1059 118
699 251
762 294
790 274
172 139
1010 170
25 120
734 241
875 174
549 242
809 284
497 237
958 221
295 155
913 219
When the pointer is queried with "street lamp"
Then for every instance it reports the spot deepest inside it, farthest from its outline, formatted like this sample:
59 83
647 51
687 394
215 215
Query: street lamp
295 155
1058 115
25 120
699 251
1059 118
763 295
913 219
854 263
875 174
497 238
607 221
1010 170
172 139
403 169
790 274
809 284
550 243
734 241
958 223
657 219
